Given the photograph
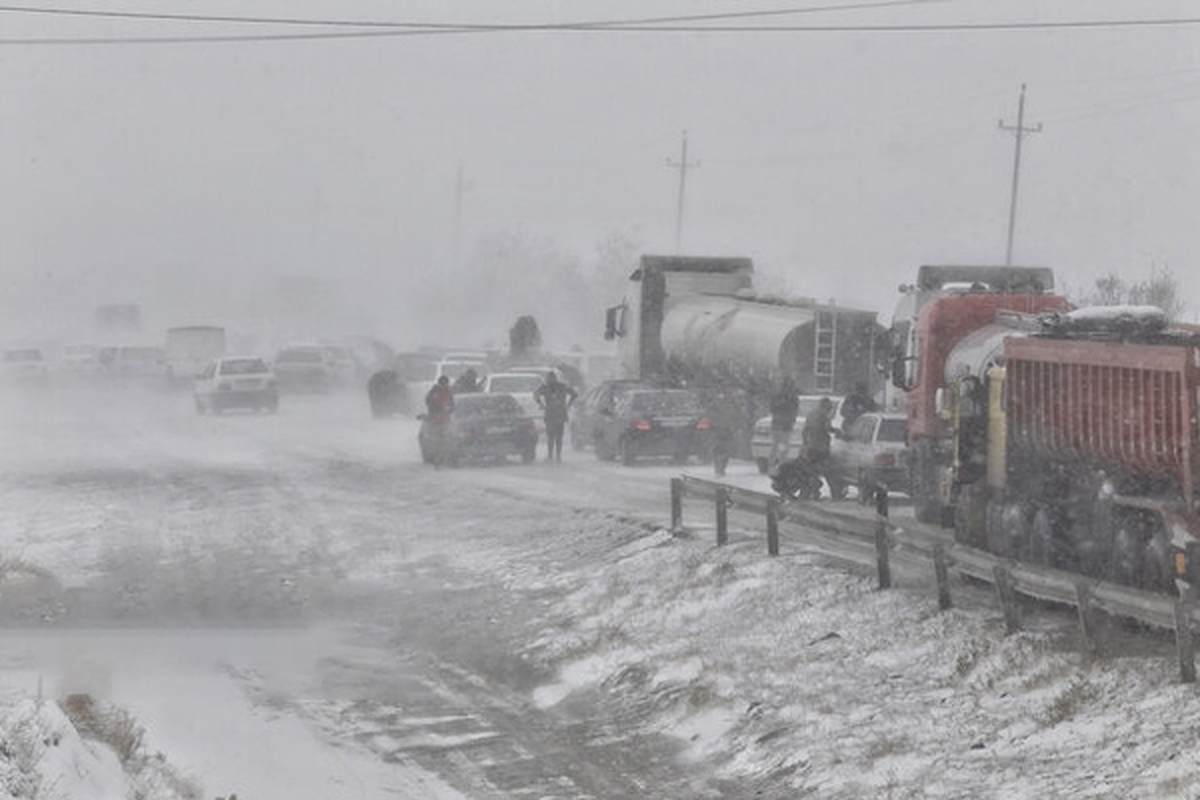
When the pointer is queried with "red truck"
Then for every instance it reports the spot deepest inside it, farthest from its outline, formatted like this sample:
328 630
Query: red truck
1062 437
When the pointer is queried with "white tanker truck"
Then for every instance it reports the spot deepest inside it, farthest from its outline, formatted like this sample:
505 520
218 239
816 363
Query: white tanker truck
697 321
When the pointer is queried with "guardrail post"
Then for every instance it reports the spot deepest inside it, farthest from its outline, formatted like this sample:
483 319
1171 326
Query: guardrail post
676 503
722 516
1087 621
1183 641
881 538
1008 598
773 526
941 571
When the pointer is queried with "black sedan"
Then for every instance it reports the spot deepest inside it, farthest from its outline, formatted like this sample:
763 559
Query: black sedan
483 426
654 422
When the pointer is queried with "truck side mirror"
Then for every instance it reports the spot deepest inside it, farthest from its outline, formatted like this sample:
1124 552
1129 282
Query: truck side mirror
903 371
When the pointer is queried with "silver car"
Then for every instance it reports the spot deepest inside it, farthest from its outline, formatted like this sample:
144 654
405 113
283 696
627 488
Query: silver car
871 452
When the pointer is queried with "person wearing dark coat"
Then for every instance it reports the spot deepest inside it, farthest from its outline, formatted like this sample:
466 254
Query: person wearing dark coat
726 415
817 436
554 397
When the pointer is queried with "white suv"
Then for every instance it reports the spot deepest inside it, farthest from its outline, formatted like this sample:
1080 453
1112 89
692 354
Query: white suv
236 382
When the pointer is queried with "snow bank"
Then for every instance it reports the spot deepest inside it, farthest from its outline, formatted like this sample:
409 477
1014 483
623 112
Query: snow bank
798 675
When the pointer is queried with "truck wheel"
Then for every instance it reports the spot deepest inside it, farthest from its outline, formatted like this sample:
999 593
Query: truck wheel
927 507
625 452
764 465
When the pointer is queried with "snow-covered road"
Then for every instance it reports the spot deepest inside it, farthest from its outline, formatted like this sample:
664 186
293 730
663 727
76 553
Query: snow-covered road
303 609
295 607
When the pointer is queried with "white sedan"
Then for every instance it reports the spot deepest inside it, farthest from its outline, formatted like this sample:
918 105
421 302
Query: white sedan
520 385
236 382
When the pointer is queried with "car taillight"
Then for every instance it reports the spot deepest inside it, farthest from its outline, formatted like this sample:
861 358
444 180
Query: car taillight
466 433
762 430
529 428
642 425
885 460
702 425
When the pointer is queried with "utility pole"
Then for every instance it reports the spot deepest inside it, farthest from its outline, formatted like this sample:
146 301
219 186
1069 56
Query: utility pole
682 165
1019 130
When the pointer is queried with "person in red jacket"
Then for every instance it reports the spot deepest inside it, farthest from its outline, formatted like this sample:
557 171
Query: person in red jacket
439 405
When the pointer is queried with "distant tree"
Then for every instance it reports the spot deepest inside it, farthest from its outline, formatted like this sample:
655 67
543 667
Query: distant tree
1161 289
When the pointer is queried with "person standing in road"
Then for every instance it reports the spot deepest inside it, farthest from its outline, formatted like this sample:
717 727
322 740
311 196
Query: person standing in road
439 405
554 397
726 417
785 406
818 434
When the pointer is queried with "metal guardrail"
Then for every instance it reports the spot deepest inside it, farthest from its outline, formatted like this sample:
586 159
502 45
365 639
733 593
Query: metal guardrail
859 540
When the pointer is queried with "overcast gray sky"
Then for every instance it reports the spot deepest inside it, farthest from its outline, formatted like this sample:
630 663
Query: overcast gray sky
838 159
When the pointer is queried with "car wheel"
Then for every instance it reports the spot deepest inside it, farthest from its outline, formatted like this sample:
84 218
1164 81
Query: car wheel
764 465
199 406
577 442
625 451
528 456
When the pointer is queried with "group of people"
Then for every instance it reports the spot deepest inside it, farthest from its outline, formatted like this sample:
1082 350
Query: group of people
553 397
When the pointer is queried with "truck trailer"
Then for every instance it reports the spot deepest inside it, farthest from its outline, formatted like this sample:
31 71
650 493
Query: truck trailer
697 321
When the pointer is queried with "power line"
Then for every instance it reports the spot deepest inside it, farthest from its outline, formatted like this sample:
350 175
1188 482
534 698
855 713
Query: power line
439 26
656 25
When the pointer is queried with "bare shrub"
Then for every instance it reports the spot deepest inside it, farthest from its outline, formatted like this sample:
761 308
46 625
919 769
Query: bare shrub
1069 701
114 727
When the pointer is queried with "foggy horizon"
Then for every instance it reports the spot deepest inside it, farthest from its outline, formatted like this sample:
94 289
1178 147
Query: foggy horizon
197 178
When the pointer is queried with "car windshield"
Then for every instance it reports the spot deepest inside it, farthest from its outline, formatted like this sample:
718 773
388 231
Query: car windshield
243 366
893 430
661 403
513 383
477 405
300 357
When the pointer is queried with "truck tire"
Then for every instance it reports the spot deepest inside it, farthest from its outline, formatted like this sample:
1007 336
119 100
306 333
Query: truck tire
927 507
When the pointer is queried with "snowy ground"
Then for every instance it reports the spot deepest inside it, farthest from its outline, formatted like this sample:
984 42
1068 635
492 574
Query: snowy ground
292 607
